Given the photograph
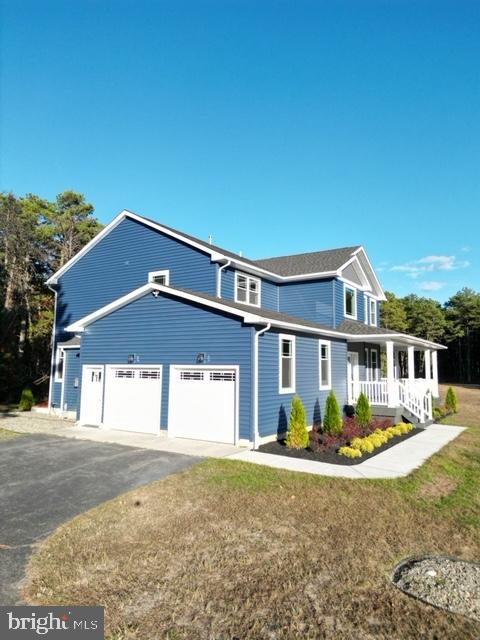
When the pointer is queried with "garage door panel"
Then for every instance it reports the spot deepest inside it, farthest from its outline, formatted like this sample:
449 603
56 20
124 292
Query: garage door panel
133 398
202 404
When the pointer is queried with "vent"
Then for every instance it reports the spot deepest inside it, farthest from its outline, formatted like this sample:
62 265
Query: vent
222 376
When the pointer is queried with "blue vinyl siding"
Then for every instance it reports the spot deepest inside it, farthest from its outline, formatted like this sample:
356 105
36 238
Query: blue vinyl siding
72 371
274 408
120 262
167 331
361 302
269 290
56 394
340 304
312 300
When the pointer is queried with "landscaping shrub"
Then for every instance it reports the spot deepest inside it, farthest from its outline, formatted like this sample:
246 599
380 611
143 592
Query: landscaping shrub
332 422
451 400
297 434
350 452
27 400
363 410
369 443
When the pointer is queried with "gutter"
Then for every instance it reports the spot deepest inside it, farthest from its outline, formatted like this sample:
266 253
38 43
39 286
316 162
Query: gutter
219 277
52 358
258 333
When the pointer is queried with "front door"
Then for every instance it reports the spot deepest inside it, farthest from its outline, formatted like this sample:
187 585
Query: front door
353 376
91 404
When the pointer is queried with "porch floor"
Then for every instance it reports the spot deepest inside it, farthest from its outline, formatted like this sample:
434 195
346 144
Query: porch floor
396 462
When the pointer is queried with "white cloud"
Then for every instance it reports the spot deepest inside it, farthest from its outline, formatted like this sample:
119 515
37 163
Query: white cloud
430 285
429 264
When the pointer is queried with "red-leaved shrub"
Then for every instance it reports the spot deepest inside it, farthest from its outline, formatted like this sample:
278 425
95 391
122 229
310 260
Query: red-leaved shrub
320 441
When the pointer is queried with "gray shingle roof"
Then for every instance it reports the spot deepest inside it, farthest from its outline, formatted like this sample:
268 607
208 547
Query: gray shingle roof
292 265
356 328
267 314
315 262
73 342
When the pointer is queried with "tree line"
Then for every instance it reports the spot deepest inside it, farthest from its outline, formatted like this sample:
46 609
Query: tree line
37 237
455 324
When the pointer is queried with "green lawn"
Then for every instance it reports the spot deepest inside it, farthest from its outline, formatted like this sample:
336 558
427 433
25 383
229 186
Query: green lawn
230 550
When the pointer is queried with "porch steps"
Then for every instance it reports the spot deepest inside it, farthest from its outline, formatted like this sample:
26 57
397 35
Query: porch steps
398 414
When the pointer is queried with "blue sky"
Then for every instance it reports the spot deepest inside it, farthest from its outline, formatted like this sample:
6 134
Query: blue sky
278 127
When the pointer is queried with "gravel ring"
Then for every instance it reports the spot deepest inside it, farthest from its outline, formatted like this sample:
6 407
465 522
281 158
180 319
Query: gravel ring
445 582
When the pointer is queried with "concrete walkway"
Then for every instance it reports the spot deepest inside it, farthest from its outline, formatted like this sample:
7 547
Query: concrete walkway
395 462
38 423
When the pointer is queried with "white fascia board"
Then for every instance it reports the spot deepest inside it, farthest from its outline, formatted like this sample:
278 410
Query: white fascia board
382 295
396 337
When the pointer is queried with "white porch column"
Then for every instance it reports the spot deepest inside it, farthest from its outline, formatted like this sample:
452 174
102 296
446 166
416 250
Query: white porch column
435 374
391 387
411 364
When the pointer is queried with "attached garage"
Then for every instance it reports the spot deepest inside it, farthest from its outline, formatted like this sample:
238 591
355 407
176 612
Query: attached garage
132 398
203 403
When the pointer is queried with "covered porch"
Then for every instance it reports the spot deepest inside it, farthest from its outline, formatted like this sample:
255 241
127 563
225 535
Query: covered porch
395 371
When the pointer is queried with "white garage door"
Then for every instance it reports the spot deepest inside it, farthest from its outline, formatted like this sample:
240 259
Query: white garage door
132 398
203 403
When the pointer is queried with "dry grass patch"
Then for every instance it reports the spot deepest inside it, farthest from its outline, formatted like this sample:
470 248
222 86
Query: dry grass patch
230 550
6 434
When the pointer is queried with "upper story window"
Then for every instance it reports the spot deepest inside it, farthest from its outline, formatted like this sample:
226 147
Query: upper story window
325 365
160 277
286 356
372 312
247 289
350 302
59 365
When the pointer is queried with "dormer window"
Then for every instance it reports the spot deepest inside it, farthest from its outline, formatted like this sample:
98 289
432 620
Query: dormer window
247 289
350 302
160 277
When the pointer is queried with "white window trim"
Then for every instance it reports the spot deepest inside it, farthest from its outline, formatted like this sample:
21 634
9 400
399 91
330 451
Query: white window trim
283 390
345 287
370 302
327 344
162 272
57 360
249 279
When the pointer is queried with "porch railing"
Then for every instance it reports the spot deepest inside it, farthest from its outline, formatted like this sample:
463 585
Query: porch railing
417 398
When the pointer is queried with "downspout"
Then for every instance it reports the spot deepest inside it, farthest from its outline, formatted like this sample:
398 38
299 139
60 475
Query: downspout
52 358
219 277
256 437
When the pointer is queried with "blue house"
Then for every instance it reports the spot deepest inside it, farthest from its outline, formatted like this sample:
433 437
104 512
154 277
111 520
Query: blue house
157 331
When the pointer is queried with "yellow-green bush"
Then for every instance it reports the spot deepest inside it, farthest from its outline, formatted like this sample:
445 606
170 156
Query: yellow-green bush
350 452
367 444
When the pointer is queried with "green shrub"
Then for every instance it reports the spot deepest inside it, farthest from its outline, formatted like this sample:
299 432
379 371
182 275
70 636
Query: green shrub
451 400
363 410
27 400
297 434
332 421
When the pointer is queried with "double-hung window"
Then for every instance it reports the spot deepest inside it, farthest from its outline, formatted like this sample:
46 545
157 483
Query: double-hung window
325 365
350 302
59 365
372 312
247 289
374 364
286 355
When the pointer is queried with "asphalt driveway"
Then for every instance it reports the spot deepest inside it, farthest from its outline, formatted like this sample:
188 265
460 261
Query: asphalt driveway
46 480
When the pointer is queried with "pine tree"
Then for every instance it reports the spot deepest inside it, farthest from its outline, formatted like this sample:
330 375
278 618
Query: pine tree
451 400
363 410
297 434
332 422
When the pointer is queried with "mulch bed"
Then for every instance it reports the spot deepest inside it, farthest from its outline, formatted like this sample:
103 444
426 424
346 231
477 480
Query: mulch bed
331 456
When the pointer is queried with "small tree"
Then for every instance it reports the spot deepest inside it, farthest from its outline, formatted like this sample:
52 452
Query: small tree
363 410
26 400
297 434
332 421
451 400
